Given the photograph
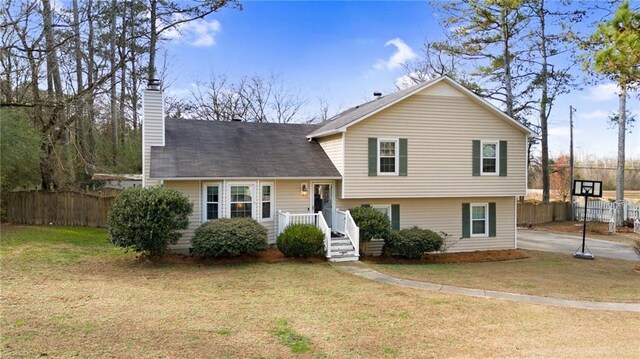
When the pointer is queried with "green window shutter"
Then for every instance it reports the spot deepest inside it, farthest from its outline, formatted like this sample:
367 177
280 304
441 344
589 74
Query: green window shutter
503 158
492 219
373 156
466 220
395 217
476 157
403 157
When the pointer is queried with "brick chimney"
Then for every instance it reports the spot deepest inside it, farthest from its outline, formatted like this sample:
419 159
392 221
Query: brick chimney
152 127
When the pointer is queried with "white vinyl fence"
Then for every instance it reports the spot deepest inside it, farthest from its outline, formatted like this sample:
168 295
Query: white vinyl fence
603 211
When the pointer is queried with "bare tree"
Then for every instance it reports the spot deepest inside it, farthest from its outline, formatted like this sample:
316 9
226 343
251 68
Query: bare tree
252 98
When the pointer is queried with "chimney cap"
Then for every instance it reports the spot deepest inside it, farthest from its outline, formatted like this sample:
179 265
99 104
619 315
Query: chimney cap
377 94
153 84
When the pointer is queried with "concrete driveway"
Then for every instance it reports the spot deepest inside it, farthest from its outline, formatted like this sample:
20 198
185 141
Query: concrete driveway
562 243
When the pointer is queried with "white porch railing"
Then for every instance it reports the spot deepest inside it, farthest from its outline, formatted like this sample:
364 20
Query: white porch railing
347 226
324 227
286 219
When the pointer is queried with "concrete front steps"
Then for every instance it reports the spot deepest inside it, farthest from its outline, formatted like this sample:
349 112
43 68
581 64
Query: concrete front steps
342 250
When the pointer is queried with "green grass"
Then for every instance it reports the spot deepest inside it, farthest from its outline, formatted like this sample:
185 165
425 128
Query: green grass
543 273
55 244
67 292
288 336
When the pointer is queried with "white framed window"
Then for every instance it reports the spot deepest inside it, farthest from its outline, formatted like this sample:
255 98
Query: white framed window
479 219
489 164
388 151
384 208
266 199
241 197
211 200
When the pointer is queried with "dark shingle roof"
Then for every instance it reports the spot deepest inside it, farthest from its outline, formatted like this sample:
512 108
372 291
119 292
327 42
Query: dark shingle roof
211 149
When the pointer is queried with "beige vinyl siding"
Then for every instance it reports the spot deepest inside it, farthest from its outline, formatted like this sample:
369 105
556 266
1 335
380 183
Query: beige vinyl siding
440 130
287 198
332 145
290 199
193 191
152 130
445 215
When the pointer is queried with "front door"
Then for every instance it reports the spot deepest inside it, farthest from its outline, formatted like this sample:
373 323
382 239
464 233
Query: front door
323 201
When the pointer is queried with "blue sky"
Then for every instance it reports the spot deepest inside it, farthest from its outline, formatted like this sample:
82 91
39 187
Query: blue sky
344 51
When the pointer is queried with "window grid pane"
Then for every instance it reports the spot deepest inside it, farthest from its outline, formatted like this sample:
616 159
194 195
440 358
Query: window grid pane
478 212
489 150
488 165
266 210
489 157
387 165
212 193
212 211
240 210
212 202
266 193
387 149
478 226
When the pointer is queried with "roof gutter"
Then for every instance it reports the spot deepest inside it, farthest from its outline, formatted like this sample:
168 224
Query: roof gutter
244 178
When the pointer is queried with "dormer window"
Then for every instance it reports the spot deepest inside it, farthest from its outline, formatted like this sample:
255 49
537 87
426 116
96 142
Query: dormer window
387 157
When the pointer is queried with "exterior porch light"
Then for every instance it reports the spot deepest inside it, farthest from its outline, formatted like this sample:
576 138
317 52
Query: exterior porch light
304 190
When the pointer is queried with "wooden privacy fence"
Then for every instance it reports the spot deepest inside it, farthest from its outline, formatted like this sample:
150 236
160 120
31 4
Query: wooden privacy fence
538 213
66 208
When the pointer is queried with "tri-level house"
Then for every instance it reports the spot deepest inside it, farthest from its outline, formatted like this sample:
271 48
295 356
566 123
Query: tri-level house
434 155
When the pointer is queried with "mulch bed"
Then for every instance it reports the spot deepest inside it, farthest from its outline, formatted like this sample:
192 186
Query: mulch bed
462 257
271 255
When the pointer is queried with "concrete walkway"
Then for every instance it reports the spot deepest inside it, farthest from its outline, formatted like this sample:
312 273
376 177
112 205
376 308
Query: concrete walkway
563 243
361 270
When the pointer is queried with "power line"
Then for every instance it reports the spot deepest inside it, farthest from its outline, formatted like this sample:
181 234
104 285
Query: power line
604 168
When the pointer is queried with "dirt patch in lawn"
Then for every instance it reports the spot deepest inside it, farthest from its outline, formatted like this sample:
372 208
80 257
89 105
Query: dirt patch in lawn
598 230
463 257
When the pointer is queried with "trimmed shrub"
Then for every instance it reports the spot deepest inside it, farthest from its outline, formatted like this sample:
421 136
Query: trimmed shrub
147 220
372 223
300 240
412 242
229 237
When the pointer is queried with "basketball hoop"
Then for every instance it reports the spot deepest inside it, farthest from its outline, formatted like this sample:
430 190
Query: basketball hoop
586 189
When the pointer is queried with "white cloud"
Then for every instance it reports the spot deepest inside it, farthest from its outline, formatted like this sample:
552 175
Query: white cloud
403 54
559 131
603 92
199 33
593 115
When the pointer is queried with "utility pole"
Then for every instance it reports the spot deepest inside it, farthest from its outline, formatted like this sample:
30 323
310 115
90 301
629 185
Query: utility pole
571 111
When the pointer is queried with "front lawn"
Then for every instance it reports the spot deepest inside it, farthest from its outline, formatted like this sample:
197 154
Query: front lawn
542 273
67 293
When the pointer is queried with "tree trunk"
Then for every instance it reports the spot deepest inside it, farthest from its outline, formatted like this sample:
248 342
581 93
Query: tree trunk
506 57
123 73
80 102
622 121
91 68
153 39
112 88
54 116
544 102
